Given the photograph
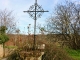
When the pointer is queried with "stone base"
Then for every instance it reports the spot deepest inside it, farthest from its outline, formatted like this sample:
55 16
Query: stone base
35 58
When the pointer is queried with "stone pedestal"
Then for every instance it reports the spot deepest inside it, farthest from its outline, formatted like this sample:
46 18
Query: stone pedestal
35 58
30 54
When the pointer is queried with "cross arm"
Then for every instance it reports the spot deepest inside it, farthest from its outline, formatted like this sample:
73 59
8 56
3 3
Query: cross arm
35 11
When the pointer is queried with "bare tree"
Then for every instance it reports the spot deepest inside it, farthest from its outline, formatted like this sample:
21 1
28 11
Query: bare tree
7 19
66 22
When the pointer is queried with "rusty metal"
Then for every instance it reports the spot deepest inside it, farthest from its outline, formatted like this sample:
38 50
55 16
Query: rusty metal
35 11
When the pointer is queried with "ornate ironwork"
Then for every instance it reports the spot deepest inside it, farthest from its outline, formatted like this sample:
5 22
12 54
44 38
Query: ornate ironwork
35 11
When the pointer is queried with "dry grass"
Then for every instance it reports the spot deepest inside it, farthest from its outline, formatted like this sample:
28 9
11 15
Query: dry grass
52 52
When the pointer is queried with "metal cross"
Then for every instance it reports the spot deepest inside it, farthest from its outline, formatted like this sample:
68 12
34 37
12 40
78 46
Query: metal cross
35 11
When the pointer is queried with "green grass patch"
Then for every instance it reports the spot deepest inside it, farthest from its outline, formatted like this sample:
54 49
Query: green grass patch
75 54
10 47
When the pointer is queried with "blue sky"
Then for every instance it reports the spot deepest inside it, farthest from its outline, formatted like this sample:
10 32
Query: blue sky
18 6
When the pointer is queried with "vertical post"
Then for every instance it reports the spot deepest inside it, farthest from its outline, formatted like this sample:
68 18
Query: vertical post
36 1
34 34
35 27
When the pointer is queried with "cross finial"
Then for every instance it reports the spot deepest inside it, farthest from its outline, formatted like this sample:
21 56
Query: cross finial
35 1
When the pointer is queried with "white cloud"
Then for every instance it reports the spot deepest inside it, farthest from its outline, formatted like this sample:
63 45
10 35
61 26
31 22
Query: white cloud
5 3
55 2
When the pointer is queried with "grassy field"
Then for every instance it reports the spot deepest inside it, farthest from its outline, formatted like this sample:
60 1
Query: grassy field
75 54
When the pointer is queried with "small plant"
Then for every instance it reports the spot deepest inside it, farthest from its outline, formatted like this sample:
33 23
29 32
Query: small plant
3 38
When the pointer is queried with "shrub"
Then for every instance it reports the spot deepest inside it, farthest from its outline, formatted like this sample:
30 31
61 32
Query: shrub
55 53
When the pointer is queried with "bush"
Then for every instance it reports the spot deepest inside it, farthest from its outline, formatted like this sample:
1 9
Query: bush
51 52
14 56
55 53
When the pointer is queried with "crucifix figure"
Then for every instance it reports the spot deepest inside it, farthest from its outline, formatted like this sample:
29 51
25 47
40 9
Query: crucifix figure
35 11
